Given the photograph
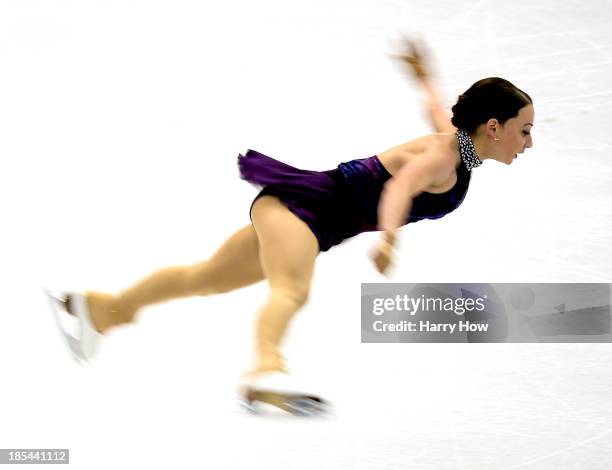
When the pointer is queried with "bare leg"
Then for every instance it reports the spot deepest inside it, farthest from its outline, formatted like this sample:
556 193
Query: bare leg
288 250
236 264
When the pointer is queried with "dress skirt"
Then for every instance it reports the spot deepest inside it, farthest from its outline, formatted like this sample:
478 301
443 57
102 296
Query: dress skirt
336 204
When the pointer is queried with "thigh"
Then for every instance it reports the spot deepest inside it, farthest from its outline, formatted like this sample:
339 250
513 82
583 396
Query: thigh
287 247
234 265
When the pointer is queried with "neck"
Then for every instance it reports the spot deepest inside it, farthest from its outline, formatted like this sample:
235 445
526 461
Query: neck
482 145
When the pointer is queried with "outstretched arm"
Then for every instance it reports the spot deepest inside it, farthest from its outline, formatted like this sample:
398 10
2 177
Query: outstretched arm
416 60
438 115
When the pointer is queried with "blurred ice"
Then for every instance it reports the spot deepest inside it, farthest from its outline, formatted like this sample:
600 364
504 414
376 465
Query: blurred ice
120 123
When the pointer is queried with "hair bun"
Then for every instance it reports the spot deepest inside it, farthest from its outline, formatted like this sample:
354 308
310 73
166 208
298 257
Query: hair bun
459 112
488 98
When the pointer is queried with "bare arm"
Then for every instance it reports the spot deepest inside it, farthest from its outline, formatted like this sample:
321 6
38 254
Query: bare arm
411 180
396 200
418 174
415 60
439 117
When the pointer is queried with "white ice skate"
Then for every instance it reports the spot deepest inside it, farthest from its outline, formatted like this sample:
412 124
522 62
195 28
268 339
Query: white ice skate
77 330
282 391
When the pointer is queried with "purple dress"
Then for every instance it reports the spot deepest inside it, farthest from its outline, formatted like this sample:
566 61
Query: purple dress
341 203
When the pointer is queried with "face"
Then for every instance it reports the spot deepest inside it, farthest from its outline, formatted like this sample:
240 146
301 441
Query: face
514 136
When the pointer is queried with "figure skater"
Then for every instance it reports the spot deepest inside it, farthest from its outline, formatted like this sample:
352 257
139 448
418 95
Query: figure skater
299 213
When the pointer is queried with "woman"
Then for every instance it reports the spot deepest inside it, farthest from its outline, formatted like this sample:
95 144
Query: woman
299 213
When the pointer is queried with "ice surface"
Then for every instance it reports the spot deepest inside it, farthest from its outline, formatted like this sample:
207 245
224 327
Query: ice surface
120 124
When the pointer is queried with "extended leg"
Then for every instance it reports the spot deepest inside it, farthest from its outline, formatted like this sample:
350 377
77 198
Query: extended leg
236 264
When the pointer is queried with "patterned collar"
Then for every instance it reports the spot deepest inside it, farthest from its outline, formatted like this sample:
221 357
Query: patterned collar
467 150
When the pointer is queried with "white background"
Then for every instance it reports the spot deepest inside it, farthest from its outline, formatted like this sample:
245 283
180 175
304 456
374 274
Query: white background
120 124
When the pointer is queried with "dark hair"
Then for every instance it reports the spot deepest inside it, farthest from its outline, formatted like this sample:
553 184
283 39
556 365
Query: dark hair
488 98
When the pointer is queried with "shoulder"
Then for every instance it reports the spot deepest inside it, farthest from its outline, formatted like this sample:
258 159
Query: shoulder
432 150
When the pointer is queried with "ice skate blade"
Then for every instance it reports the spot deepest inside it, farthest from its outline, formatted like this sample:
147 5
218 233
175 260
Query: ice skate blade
296 404
83 344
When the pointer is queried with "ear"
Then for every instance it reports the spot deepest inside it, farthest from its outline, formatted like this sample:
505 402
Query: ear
492 127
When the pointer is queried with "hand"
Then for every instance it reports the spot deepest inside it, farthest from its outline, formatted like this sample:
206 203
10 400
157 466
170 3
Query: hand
415 58
383 255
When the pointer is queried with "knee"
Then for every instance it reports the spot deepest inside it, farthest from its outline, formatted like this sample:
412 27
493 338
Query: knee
296 295
301 297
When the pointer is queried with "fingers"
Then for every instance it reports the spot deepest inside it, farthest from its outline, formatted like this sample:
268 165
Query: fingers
383 266
413 53
412 47
382 257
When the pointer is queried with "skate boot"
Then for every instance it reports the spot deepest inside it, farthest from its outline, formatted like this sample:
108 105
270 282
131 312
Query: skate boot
282 391
74 322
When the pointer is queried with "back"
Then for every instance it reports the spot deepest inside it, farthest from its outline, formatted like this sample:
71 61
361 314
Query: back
395 158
